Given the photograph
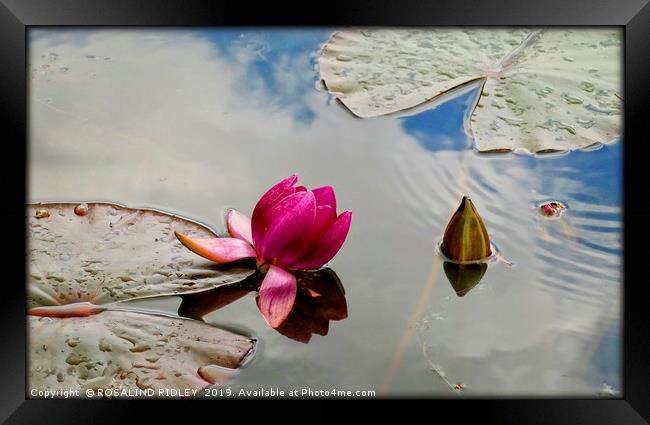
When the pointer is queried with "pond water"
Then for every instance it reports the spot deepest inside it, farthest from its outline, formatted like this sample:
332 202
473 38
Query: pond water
197 121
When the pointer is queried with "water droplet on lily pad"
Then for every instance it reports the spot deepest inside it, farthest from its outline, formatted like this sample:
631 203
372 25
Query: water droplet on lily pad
573 100
41 213
81 209
511 120
587 86
586 123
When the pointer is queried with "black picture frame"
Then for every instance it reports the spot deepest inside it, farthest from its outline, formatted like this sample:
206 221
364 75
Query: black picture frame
16 16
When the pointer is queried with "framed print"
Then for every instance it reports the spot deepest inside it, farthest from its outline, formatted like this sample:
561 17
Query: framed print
443 202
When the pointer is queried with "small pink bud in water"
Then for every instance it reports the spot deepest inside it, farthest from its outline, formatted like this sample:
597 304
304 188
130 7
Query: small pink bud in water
552 209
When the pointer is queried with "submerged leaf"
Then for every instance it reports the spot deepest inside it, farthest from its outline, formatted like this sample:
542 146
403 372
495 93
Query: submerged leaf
466 238
541 90
102 253
125 350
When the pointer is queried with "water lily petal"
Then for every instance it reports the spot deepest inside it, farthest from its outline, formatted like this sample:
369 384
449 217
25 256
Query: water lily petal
282 228
325 196
325 217
328 245
272 196
239 226
277 295
220 250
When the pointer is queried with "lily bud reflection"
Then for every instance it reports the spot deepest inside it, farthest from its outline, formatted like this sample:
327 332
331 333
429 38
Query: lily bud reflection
464 277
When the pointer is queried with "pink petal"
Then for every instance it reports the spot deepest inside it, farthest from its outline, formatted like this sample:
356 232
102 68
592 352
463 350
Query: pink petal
325 217
239 226
301 189
220 250
277 295
325 196
272 196
281 229
328 246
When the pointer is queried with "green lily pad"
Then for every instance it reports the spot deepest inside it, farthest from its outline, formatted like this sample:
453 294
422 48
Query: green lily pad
104 253
541 90
127 350
84 259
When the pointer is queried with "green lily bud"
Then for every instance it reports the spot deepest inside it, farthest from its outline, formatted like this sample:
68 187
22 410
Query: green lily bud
466 238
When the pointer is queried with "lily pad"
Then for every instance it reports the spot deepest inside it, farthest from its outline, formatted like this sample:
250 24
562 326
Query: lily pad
103 253
86 258
553 89
127 350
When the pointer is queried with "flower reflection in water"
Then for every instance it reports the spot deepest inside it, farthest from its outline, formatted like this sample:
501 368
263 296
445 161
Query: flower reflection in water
320 299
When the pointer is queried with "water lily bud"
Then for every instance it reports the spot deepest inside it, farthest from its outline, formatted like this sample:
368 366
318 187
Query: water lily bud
466 237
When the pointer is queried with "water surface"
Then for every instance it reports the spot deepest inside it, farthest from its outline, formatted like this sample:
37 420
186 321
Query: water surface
198 121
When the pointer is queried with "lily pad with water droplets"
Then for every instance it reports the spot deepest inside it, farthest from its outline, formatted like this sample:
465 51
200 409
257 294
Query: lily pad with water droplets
86 258
541 89
121 350
104 253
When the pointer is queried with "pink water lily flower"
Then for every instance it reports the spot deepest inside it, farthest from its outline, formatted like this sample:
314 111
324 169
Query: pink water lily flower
292 228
